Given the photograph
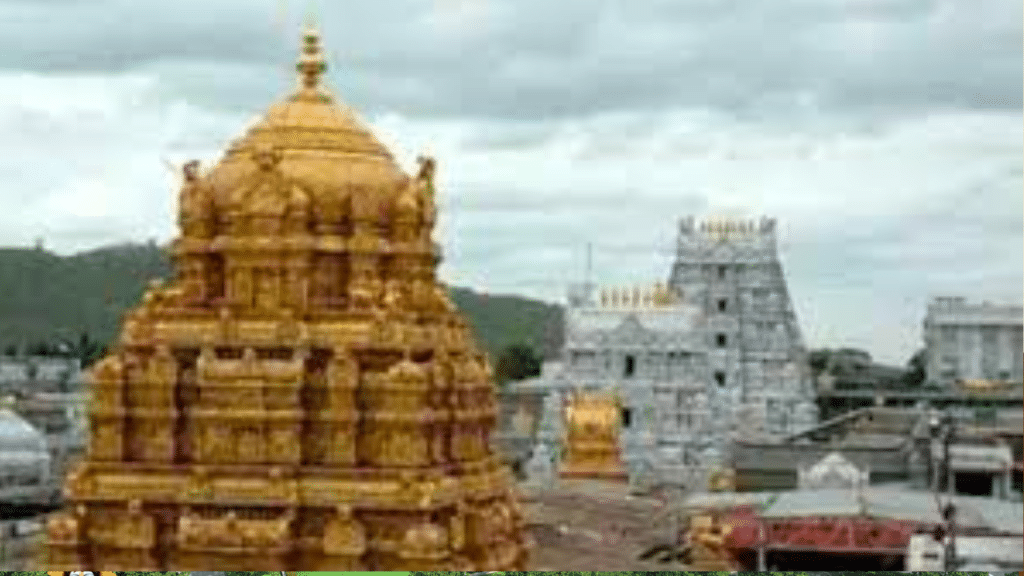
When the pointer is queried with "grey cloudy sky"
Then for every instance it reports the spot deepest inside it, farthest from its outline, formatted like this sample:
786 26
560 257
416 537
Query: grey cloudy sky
885 135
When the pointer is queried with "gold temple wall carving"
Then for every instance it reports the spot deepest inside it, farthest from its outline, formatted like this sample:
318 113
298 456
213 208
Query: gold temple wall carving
592 424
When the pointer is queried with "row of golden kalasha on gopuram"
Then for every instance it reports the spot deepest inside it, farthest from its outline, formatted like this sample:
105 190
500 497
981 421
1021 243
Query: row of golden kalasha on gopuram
302 395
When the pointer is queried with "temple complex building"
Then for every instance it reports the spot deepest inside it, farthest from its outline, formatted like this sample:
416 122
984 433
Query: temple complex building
26 375
973 342
730 270
25 463
645 346
713 356
46 391
302 395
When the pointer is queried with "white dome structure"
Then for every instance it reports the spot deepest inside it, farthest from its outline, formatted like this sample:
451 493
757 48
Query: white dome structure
24 459
17 435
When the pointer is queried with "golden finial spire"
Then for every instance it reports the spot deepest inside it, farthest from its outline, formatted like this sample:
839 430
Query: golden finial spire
311 64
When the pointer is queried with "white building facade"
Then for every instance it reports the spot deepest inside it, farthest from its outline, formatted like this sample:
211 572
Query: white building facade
26 375
965 341
730 269
646 346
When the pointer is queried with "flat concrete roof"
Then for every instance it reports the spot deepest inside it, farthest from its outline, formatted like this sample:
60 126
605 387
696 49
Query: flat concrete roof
898 504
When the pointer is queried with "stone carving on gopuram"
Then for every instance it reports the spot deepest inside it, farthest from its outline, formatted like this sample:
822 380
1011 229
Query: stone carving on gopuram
303 395
592 437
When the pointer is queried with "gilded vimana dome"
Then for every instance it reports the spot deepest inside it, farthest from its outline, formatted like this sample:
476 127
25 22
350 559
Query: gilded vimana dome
302 395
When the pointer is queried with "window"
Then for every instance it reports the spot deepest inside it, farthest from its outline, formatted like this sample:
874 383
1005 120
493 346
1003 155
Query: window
721 340
720 379
627 417
723 304
630 367
721 272
228 353
274 353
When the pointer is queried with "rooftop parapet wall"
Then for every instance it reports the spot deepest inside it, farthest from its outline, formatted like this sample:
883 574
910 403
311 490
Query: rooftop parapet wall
624 298
957 310
725 229
638 297
727 241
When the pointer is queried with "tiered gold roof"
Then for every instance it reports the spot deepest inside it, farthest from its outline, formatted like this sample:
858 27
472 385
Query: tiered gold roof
303 394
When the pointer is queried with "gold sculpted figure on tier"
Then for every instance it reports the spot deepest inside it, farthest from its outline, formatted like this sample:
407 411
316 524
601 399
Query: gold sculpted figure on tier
302 395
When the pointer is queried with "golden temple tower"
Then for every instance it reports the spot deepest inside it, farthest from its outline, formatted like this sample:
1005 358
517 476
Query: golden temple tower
592 438
303 395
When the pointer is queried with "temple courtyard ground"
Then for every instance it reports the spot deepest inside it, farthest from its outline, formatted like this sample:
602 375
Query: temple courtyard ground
594 526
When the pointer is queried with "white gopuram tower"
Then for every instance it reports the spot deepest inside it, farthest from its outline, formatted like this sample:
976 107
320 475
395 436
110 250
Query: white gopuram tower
757 361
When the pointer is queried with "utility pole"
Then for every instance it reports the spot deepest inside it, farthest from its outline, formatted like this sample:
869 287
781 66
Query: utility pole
944 472
949 513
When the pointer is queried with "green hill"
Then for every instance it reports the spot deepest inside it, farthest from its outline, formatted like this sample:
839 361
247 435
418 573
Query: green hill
44 296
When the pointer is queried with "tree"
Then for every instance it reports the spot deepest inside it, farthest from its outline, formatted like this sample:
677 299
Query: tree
517 362
40 348
818 360
915 375
85 349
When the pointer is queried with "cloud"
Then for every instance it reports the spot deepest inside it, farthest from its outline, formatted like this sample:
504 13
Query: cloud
757 59
885 135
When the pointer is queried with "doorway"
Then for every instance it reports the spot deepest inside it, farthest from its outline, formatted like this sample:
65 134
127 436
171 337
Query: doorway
973 483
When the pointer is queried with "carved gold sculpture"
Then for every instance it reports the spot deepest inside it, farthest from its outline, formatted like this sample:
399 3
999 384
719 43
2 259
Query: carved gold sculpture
593 422
303 395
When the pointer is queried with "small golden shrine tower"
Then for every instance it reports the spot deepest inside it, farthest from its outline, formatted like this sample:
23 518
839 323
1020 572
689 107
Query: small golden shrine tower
303 395
592 424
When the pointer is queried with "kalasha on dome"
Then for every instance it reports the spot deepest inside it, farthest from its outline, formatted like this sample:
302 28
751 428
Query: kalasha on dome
302 395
